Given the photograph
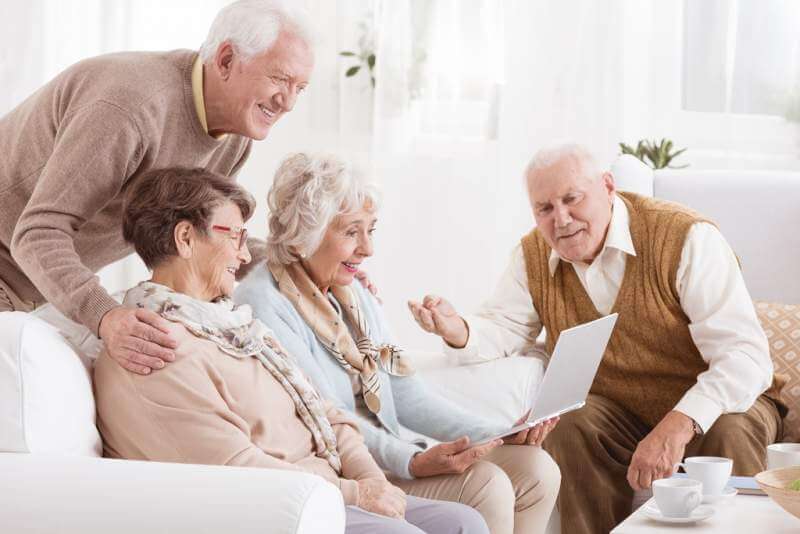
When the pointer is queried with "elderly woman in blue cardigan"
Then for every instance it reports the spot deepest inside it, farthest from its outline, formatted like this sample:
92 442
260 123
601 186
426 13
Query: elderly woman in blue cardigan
321 224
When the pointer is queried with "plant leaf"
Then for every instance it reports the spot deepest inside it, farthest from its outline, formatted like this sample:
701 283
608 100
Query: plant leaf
352 71
347 53
371 60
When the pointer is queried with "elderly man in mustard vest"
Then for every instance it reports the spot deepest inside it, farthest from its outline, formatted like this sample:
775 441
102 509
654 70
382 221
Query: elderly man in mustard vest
687 371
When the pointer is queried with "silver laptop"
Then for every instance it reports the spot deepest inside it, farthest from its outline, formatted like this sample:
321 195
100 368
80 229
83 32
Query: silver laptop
569 374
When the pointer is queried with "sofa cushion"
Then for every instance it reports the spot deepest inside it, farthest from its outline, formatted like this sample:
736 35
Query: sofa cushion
498 390
755 210
46 401
781 323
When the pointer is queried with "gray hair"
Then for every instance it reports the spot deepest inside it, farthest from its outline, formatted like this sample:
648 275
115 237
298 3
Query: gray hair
252 26
547 157
309 191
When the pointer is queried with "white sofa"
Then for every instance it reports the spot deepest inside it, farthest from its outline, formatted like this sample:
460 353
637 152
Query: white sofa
47 493
52 485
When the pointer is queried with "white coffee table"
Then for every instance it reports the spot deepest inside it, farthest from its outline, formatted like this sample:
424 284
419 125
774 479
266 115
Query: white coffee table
743 513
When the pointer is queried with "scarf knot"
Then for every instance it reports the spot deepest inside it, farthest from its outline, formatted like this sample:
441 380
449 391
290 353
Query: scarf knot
357 353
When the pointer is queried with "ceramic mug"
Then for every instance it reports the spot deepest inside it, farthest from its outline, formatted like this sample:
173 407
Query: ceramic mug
677 497
713 471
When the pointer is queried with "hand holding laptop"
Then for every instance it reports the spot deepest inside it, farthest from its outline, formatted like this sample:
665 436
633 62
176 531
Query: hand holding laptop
452 457
534 435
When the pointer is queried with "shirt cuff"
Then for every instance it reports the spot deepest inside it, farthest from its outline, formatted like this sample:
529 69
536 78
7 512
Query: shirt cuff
349 489
94 308
703 410
468 353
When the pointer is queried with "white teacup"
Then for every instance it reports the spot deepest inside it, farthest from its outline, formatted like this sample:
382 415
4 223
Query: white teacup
783 455
677 497
713 471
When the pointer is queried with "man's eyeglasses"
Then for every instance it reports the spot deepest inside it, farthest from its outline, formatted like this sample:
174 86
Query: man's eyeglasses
236 233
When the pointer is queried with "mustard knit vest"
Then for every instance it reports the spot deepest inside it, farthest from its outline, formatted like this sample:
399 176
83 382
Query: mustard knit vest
651 360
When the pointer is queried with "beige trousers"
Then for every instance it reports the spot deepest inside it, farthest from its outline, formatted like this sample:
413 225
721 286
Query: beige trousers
514 487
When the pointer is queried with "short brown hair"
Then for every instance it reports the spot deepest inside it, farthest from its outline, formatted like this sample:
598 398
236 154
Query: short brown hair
159 199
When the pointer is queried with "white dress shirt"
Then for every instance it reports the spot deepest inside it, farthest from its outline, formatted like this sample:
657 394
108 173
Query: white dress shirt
722 319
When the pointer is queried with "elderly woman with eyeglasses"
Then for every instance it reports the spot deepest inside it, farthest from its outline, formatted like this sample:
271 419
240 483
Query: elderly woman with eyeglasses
321 223
233 395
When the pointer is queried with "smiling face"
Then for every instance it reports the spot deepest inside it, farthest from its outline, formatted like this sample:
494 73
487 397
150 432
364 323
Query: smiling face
572 207
262 89
216 257
347 243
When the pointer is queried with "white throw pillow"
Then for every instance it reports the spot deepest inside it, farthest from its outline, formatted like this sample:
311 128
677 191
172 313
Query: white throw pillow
499 390
46 400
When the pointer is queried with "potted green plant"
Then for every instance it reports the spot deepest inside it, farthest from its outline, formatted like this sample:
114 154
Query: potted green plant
656 155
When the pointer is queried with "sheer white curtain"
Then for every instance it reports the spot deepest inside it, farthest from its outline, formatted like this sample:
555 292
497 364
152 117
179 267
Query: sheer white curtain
728 93
742 56
43 37
439 70
455 205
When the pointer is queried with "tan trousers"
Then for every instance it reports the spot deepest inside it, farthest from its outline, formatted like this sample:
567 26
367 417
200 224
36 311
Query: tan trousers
594 445
514 487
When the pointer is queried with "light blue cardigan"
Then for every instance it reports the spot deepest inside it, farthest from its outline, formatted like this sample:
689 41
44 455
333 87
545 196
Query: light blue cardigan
404 400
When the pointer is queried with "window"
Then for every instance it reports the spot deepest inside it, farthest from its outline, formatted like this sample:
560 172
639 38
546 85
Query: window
741 56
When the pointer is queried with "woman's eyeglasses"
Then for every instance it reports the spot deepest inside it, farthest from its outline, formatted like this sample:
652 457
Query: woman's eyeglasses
236 233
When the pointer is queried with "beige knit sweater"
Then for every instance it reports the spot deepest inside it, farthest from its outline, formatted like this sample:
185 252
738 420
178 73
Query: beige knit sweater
210 408
67 153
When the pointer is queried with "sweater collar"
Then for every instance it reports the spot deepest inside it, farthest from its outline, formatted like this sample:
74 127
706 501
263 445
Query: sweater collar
199 97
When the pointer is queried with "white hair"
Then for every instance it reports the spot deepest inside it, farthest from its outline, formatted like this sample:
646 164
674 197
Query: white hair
547 157
252 26
309 191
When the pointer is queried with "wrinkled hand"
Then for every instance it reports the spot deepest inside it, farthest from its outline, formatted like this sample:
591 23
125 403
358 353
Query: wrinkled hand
362 277
534 435
380 497
137 339
438 316
452 457
656 455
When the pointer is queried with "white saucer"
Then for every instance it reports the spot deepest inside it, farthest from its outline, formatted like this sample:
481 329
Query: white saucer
698 514
726 494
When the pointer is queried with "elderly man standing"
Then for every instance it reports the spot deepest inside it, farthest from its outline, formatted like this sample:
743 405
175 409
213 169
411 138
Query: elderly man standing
70 149
687 370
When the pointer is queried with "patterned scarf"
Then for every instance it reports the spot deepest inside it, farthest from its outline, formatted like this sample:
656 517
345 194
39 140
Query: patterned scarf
358 356
235 332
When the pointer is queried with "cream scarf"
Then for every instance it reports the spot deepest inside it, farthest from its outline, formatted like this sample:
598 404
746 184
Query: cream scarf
358 356
233 329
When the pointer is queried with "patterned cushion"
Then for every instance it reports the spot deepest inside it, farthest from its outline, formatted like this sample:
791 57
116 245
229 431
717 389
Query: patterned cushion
781 323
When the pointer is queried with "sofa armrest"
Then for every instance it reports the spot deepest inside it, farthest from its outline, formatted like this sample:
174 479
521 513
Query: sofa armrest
47 493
